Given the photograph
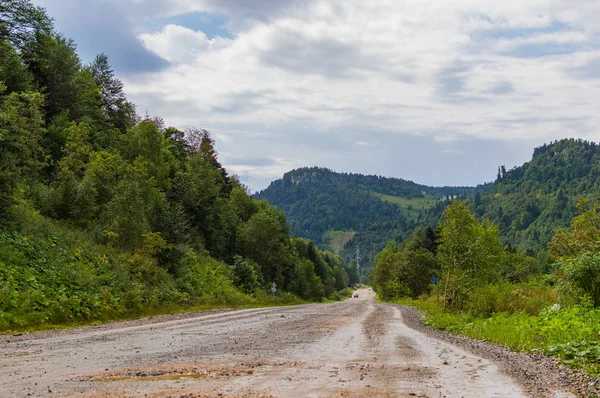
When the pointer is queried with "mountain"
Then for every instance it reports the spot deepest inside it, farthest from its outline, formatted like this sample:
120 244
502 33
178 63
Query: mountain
342 211
530 201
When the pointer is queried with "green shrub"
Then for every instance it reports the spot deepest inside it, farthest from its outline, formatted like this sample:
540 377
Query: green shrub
340 295
246 274
510 298
570 334
49 275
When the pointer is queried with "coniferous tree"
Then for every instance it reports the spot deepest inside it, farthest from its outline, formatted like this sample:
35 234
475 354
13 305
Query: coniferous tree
119 111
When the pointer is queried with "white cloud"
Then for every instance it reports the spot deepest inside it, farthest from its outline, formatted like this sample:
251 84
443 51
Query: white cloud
179 44
449 70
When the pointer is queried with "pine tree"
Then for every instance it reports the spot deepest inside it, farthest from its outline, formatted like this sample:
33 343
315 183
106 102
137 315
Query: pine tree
120 112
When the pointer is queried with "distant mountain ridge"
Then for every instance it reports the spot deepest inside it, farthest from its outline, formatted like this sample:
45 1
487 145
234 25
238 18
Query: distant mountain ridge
527 202
385 185
322 204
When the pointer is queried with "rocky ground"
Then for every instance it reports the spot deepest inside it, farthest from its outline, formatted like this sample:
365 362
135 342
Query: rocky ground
354 348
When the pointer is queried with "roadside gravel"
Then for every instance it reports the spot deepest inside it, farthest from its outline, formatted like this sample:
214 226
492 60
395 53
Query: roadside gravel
541 375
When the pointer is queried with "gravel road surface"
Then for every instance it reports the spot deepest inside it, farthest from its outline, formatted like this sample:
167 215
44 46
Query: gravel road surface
354 348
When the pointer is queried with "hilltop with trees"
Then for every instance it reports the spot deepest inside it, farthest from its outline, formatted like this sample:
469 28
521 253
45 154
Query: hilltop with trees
530 201
360 211
341 211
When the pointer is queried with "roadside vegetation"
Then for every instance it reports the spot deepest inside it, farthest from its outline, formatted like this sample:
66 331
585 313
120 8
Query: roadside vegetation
546 302
107 215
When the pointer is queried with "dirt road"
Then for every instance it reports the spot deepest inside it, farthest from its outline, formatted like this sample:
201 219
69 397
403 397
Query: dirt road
354 348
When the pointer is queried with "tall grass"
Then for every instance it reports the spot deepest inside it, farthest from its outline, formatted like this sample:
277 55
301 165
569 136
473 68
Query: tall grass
510 298
571 334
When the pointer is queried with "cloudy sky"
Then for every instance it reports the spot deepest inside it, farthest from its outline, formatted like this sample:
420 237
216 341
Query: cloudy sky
441 92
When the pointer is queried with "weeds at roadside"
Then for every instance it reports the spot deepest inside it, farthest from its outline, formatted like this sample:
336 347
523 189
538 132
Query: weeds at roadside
570 334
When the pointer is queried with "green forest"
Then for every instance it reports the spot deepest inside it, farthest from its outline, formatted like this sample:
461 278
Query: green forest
105 214
373 210
527 203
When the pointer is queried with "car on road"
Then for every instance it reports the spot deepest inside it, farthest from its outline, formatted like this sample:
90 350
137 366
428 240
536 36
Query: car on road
355 295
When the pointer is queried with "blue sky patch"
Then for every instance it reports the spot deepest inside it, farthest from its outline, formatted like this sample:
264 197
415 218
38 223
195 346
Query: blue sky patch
508 33
542 50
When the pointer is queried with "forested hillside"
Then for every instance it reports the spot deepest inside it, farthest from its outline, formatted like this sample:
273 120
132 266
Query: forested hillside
527 202
361 211
104 214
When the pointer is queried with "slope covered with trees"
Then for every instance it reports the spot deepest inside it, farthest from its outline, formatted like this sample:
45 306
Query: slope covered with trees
527 203
104 214
318 201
